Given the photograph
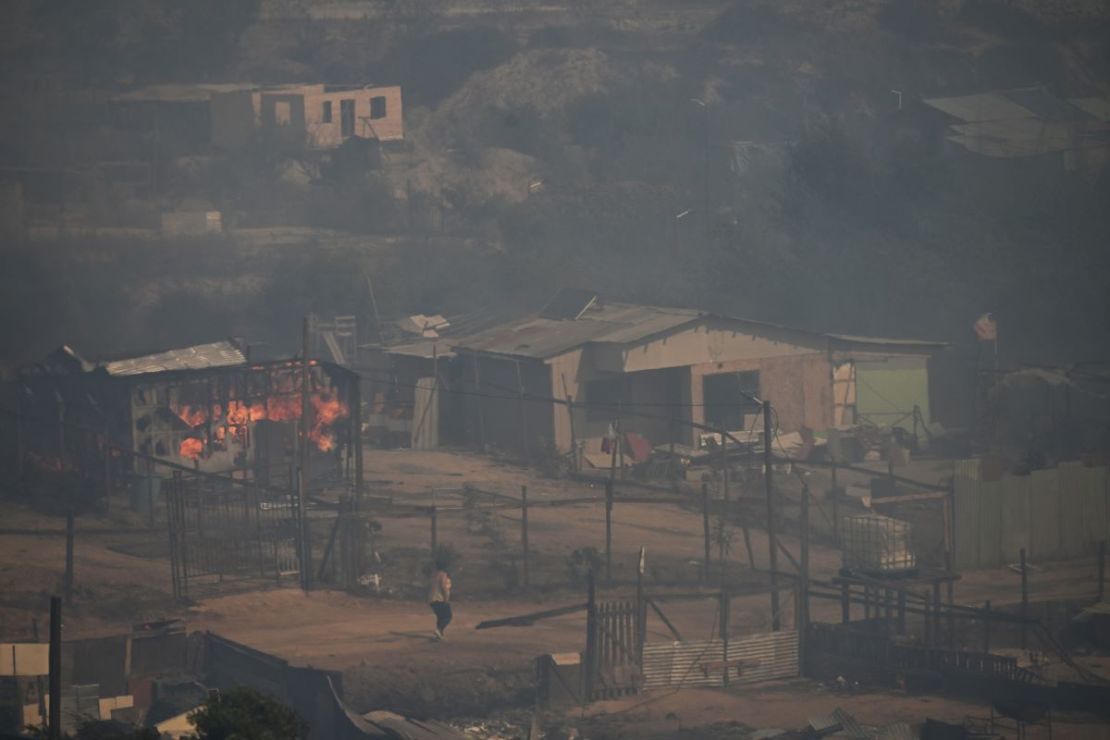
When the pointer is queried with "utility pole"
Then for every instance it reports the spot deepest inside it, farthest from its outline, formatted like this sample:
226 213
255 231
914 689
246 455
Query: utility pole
769 488
54 723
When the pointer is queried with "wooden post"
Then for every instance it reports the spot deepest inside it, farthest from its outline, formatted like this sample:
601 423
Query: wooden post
951 598
61 427
19 431
803 523
705 529
481 406
901 612
845 603
150 494
55 711
640 605
39 688
356 422
620 439
936 612
306 408
608 533
67 581
432 516
835 496
591 639
725 603
949 536
523 414
570 419
928 620
306 533
769 486
722 519
987 627
1101 570
524 533
888 610
107 469
1024 600
670 452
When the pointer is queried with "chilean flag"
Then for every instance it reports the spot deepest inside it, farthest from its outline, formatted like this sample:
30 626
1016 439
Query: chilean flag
986 328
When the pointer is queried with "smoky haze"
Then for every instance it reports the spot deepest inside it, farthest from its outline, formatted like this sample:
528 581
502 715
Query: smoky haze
446 368
760 159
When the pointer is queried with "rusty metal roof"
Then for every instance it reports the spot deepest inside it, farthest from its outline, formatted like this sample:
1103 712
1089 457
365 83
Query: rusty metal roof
535 337
198 357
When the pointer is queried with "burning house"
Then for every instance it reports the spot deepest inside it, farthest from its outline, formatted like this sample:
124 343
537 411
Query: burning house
205 407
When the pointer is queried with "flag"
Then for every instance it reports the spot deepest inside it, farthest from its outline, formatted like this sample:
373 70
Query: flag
986 328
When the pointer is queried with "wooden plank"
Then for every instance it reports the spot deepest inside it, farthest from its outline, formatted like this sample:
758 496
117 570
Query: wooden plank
662 616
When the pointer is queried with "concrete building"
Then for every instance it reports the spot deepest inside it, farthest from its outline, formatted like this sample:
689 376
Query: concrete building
323 116
662 370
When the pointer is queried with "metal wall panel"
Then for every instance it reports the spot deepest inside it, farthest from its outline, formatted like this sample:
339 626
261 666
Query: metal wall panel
1044 515
675 664
1014 518
1056 513
1073 480
777 654
990 524
966 514
1097 517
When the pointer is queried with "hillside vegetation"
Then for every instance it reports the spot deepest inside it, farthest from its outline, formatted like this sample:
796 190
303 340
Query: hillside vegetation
556 143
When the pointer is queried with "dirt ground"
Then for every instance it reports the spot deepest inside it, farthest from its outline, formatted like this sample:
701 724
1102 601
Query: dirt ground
382 643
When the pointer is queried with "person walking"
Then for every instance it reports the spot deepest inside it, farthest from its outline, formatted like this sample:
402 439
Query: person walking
439 597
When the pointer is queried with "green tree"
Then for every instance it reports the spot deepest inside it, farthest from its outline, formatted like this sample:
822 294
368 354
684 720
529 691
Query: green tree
245 714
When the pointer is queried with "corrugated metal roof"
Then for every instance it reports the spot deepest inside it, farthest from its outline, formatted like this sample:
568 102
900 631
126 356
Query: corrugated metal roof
924 344
1044 104
1024 122
181 92
427 349
198 357
535 337
980 107
1096 107
539 338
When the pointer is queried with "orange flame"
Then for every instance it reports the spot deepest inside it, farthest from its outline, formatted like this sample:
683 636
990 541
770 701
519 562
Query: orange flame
191 447
327 410
194 416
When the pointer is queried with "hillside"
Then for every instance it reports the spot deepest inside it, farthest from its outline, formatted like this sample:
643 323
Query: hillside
556 143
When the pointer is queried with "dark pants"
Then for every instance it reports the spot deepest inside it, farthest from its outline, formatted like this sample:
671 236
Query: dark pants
443 614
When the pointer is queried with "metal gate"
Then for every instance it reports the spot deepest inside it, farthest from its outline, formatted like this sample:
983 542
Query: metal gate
613 648
225 530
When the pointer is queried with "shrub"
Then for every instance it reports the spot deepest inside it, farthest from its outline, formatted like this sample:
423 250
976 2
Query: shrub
245 714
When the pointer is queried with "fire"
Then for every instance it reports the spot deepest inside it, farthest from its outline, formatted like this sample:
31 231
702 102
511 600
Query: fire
191 447
194 416
238 415
329 409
